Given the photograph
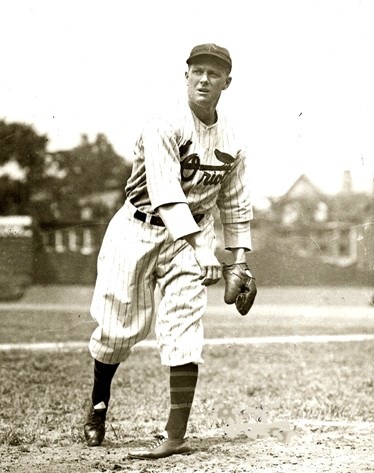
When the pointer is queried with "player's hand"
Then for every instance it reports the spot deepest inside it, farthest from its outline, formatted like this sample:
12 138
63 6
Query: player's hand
211 271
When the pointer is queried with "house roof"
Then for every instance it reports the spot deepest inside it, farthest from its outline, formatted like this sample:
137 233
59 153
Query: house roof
303 188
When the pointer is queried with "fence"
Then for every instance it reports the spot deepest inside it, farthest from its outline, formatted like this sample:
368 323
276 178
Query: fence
67 254
16 255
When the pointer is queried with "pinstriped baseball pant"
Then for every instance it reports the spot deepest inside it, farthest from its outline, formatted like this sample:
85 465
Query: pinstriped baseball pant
134 257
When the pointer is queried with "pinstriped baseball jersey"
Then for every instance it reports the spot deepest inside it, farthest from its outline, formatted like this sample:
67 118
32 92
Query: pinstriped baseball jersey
183 160
178 160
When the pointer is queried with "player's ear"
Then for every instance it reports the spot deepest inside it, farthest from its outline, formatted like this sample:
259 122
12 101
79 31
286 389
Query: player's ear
228 82
186 75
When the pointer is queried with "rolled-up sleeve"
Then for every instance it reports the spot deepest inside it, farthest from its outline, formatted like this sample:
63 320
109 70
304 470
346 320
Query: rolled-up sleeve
178 220
237 235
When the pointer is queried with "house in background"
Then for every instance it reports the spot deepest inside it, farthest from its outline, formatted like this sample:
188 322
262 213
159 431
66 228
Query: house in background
332 228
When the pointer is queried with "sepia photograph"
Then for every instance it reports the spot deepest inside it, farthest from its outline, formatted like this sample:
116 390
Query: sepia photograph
186 236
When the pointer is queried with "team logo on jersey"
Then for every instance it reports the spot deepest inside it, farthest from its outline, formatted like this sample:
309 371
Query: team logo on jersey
224 157
211 175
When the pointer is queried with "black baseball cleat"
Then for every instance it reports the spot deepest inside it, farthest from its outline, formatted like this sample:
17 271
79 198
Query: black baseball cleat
94 428
162 447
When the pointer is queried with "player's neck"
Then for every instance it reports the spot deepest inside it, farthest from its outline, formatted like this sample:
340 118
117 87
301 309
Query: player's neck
208 116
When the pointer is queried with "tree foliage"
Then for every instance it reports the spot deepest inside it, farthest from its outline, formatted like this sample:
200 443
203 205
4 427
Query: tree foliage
12 197
55 183
89 167
19 143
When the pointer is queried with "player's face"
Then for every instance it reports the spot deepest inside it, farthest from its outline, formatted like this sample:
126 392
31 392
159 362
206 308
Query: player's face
206 80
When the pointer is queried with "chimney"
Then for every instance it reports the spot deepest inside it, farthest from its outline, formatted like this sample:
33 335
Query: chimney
347 182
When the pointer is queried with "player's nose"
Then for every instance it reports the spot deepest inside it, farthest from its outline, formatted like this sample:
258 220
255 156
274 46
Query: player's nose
204 77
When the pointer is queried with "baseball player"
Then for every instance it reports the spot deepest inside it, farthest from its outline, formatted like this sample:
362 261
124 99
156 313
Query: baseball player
183 166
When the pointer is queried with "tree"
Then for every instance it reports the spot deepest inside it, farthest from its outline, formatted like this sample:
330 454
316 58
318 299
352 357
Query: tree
11 196
19 143
89 168
53 184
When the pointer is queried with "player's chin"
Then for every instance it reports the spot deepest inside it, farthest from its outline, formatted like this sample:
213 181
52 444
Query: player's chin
203 98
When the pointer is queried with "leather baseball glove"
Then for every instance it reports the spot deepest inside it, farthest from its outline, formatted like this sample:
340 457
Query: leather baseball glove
240 286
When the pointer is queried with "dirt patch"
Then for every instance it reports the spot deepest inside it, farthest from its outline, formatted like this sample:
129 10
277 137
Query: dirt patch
322 449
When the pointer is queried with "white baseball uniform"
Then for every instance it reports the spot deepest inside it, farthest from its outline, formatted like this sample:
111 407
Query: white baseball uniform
177 160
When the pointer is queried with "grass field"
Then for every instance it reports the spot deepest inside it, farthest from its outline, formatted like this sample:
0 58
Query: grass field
55 314
43 394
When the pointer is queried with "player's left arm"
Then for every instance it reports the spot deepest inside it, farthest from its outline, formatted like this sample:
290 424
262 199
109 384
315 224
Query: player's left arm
235 208
238 255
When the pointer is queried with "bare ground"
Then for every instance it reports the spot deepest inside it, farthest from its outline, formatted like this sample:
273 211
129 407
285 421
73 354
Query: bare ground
321 449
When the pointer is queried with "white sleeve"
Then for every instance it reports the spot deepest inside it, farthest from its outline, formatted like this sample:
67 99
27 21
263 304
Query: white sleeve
234 200
178 220
234 203
237 235
162 164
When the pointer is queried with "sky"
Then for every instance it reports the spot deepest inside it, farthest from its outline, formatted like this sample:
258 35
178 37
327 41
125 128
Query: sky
302 91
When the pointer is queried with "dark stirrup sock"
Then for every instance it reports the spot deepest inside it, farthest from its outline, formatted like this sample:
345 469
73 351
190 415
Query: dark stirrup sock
183 381
103 375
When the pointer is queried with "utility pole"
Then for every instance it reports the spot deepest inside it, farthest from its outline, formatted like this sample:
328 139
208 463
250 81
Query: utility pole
371 238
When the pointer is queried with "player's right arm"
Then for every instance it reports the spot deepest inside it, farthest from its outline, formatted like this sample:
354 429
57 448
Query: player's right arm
178 220
162 163
211 270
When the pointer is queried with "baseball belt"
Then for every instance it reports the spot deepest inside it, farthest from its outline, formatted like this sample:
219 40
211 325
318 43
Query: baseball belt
155 220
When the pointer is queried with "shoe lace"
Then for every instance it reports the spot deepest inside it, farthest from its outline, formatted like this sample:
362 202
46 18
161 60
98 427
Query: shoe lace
97 418
159 439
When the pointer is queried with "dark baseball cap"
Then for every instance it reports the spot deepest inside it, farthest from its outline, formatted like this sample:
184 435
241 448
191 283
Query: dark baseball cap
210 49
